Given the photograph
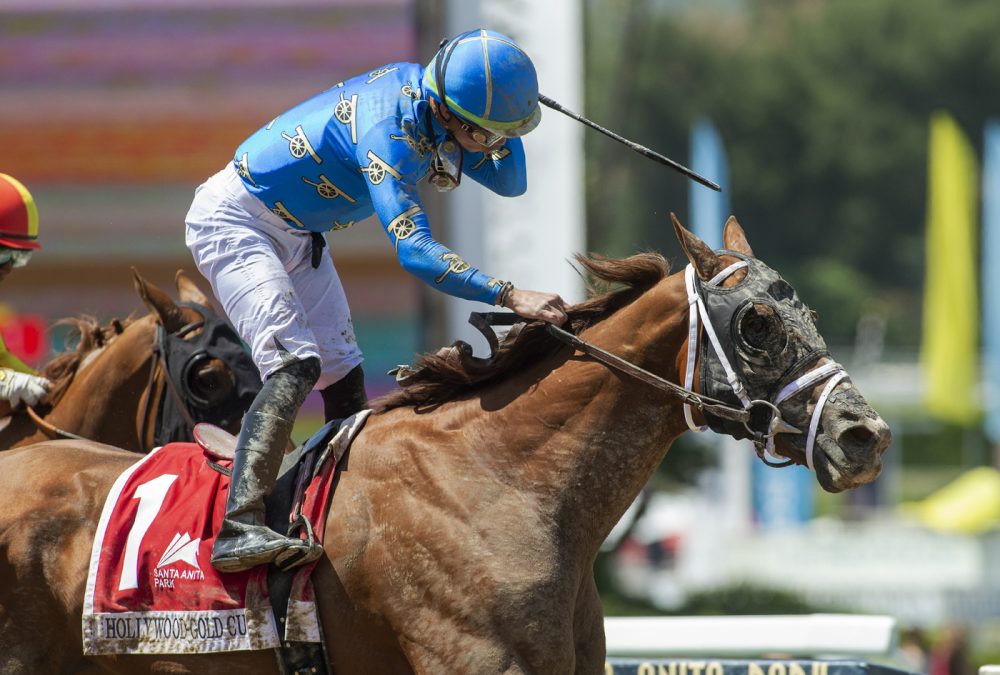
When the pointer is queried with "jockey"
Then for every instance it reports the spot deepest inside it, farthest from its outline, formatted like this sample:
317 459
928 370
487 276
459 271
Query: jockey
18 238
257 231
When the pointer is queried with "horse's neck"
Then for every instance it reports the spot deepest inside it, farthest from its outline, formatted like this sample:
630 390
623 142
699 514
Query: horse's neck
18 429
590 437
101 402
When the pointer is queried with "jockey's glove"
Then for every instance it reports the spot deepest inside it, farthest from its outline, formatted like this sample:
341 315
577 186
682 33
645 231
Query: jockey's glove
17 387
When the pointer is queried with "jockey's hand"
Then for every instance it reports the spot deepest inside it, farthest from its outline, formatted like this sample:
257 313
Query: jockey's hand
537 305
17 387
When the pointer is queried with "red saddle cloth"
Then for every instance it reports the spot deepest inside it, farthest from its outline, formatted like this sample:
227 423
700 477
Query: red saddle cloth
151 588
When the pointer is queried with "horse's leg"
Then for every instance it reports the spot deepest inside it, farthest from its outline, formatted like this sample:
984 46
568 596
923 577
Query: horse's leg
23 617
588 628
415 633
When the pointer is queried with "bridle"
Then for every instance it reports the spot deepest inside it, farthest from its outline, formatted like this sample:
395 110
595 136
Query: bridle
163 419
763 442
147 396
158 367
699 320
177 357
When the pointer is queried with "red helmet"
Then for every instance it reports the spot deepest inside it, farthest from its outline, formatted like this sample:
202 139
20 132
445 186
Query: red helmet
18 215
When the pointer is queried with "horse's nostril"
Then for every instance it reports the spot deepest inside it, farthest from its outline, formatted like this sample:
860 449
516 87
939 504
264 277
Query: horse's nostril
858 436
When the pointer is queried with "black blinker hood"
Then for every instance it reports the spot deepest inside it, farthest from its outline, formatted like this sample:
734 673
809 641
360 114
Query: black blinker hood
762 373
182 355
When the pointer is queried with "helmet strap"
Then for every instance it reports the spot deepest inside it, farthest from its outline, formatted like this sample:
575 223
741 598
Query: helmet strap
446 164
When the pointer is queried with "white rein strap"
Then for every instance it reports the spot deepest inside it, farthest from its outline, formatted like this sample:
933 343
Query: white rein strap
834 371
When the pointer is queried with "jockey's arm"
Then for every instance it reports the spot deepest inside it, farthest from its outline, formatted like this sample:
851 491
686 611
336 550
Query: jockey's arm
400 210
398 206
9 360
421 255
18 381
502 171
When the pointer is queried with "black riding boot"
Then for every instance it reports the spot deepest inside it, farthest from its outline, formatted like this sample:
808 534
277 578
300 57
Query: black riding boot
346 396
244 541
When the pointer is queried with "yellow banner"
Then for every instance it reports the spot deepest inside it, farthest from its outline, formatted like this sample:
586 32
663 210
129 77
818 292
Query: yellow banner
950 346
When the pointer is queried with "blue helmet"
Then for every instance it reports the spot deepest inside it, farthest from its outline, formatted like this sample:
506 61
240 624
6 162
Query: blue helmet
486 79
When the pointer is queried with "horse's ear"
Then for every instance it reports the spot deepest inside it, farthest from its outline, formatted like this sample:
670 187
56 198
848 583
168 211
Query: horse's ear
188 291
705 262
735 239
159 303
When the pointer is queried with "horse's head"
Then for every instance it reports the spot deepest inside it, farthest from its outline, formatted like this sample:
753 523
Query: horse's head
208 376
773 357
144 382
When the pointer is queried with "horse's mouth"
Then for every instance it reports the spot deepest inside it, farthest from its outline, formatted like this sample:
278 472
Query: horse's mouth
836 472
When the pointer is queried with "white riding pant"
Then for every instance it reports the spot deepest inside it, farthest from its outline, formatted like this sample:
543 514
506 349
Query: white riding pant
260 271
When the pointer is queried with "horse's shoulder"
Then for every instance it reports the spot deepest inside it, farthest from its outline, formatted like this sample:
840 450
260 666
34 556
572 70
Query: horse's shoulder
67 455
84 447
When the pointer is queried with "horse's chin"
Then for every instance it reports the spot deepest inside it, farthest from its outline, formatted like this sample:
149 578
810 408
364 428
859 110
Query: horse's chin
835 472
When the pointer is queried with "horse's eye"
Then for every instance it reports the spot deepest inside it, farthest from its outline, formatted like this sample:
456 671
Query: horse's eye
210 382
760 328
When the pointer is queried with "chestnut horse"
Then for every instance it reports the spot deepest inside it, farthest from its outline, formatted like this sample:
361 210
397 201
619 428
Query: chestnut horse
112 387
469 511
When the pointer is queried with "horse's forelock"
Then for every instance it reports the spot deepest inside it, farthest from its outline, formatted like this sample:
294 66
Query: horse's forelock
443 377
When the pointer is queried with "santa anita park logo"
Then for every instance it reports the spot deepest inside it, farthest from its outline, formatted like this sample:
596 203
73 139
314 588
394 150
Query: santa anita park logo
182 549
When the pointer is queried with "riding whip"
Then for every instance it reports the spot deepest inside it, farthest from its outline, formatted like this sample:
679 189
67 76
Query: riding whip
641 149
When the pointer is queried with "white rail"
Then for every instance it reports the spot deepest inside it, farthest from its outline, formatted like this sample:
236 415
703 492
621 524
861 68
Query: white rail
727 636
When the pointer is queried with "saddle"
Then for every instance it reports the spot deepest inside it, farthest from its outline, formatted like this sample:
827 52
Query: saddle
284 506
298 466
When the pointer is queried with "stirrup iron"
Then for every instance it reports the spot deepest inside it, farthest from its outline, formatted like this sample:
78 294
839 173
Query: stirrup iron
310 549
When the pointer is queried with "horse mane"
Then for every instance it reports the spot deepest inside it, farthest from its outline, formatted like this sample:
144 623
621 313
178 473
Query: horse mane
89 335
448 374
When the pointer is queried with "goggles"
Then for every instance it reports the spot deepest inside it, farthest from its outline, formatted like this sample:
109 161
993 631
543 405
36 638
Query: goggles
482 136
17 256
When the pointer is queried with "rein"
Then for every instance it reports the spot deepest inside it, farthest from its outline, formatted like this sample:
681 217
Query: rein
690 398
51 430
699 319
700 401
